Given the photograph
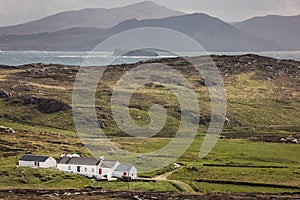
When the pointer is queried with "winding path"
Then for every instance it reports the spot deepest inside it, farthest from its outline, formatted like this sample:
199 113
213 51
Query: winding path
164 177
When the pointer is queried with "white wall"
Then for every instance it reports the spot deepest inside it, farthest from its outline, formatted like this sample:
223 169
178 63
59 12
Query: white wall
49 163
86 170
108 172
132 173
23 163
105 172
117 174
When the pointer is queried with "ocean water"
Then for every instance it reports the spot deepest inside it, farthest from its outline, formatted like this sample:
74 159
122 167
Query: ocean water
15 58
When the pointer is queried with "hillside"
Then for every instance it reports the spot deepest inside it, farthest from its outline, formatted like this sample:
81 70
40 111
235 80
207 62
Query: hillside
212 33
258 88
91 17
263 108
284 30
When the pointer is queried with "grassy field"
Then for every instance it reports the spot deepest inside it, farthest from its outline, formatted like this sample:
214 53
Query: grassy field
260 102
28 178
244 161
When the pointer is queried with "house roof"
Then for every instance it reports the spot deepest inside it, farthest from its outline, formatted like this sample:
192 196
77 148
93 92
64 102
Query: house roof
78 161
124 168
108 163
29 157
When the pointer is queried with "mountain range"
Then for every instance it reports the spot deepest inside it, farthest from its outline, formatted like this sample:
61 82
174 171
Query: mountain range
82 30
284 30
91 17
212 33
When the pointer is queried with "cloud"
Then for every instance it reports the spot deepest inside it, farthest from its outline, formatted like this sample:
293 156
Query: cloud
17 11
236 10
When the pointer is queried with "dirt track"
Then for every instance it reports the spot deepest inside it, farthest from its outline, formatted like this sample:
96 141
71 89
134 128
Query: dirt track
118 195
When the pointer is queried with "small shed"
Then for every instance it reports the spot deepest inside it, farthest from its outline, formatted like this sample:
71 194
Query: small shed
106 169
125 172
29 160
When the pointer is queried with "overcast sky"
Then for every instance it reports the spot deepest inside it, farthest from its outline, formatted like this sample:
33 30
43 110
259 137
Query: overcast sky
19 11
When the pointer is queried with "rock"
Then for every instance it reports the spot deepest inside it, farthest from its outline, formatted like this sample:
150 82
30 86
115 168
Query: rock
49 106
283 140
44 105
4 129
295 141
4 94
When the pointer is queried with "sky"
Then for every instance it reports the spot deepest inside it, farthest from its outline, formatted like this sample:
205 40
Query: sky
20 11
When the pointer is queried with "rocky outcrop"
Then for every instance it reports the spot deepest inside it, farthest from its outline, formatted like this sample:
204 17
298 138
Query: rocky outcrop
48 106
44 105
295 139
4 94
4 129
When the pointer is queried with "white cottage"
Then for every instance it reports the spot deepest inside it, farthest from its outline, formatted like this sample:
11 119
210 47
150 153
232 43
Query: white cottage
90 167
125 172
83 166
106 169
37 161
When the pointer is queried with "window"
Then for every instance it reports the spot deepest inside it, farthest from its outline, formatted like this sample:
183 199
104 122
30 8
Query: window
93 170
69 168
85 169
78 168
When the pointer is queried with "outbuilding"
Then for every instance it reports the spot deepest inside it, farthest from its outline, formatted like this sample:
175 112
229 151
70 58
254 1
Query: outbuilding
29 160
125 172
106 169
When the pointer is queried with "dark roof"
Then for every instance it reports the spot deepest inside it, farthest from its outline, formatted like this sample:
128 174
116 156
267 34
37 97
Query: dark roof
29 157
108 163
79 161
124 168
63 160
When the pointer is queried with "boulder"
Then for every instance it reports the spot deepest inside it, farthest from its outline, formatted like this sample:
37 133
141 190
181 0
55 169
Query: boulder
44 105
4 129
4 94
49 106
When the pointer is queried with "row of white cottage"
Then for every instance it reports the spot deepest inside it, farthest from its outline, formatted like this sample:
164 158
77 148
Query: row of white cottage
91 167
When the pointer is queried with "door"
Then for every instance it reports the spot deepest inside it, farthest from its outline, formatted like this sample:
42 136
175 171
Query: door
78 168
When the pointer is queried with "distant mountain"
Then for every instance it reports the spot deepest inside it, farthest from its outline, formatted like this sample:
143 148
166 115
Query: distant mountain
210 32
283 30
92 17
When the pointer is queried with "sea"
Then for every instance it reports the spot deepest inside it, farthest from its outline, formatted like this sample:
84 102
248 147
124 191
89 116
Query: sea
15 58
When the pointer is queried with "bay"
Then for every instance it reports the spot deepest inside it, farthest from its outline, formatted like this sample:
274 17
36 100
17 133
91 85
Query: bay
16 58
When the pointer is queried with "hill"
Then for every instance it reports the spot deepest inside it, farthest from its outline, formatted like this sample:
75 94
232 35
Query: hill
91 17
263 108
284 30
212 33
258 88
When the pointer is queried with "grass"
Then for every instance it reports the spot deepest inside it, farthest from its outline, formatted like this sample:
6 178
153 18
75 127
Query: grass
210 187
252 102
30 178
256 106
49 141
226 152
32 117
